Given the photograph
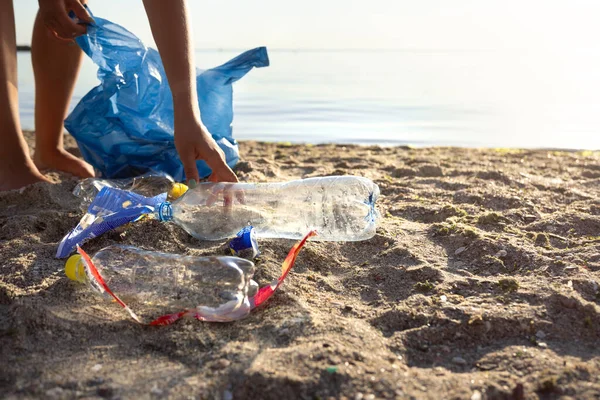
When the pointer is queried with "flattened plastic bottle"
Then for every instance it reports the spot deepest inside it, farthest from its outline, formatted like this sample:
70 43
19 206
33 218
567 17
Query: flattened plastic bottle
149 185
151 284
339 208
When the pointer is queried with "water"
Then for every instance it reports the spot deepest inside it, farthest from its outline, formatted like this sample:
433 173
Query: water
498 98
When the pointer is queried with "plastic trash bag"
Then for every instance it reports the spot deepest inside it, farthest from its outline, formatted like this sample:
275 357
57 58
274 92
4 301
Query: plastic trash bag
124 126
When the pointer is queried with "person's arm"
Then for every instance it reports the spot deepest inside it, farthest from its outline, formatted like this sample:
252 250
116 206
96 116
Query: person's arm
171 30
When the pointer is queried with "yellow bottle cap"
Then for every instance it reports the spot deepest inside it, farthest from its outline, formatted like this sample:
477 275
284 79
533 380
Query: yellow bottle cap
177 190
74 268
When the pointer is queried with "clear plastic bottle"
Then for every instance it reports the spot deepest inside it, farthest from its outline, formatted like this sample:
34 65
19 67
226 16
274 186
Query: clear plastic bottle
339 208
149 185
151 284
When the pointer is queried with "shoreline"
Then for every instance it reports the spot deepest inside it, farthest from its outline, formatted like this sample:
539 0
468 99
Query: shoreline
426 146
70 142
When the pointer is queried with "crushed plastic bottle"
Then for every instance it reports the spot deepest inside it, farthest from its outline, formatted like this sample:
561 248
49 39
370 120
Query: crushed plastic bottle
340 208
112 208
155 283
150 184
148 284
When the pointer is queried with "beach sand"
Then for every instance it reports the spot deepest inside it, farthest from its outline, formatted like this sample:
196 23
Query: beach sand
482 282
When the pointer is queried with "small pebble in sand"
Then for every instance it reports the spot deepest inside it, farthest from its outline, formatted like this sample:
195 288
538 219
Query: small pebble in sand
476 395
443 298
54 393
529 218
568 302
501 254
542 345
459 250
227 395
459 360
97 367
156 391
488 326
540 334
221 363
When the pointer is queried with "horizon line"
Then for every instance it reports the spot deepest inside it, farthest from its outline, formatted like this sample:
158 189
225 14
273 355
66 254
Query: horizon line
27 47
322 49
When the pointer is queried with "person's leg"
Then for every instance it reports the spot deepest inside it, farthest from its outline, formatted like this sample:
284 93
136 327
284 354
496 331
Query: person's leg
55 66
16 167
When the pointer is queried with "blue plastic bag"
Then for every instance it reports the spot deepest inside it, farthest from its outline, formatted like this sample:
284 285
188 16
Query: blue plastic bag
124 126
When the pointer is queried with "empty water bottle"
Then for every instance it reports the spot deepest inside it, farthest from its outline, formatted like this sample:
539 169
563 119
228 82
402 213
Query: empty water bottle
149 185
150 284
339 208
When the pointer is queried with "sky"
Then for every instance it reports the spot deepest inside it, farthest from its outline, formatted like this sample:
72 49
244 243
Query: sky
552 25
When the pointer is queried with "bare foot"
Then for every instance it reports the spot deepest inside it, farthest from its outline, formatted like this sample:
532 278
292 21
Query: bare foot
13 176
62 160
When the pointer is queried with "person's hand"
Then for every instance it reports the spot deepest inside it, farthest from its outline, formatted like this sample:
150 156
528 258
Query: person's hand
55 14
194 142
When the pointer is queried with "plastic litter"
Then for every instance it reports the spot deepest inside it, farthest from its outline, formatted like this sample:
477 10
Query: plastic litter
340 208
159 288
150 184
110 209
245 244
124 126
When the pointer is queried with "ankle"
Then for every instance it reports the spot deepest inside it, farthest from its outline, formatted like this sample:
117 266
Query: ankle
48 151
47 155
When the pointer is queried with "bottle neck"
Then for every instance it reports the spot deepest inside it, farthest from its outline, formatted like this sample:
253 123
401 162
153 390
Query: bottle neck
164 211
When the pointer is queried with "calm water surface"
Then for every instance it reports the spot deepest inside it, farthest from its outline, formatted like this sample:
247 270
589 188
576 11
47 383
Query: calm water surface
422 98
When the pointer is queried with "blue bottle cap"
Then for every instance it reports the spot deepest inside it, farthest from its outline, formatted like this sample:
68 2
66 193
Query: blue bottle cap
245 240
165 212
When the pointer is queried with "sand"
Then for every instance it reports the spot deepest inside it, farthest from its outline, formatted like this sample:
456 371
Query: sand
482 282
